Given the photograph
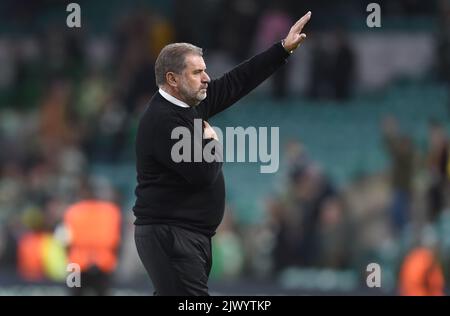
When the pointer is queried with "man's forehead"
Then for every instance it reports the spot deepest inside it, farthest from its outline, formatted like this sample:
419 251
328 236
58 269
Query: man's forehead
195 61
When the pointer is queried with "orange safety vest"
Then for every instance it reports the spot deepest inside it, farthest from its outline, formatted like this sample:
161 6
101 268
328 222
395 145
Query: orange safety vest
94 228
30 256
421 275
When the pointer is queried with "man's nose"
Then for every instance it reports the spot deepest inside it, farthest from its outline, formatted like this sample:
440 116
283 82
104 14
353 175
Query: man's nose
206 78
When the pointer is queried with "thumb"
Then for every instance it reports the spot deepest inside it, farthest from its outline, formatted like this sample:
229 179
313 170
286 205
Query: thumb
301 37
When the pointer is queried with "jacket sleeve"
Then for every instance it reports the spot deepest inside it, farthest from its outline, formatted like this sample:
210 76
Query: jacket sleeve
234 85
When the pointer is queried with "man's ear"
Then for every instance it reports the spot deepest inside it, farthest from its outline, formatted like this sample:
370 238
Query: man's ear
171 79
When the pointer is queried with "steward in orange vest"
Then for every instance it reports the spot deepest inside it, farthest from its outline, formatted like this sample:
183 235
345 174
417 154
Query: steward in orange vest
93 228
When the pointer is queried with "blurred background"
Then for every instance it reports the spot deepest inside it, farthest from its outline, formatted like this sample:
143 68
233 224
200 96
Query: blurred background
364 144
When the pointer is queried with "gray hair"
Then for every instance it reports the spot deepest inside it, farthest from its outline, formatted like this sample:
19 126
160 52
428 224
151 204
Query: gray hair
172 58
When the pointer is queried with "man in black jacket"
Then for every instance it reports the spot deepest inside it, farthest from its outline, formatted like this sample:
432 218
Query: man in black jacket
180 203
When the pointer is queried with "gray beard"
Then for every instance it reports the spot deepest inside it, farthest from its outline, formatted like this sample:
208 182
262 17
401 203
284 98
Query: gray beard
191 100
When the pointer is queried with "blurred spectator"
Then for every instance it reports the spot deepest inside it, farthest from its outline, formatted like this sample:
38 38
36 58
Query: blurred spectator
227 250
335 235
162 33
9 233
12 188
30 255
55 129
294 158
284 253
310 189
93 95
321 85
198 30
295 218
421 274
107 141
402 156
93 235
63 53
235 35
438 163
40 256
344 67
443 39
135 40
332 67
273 24
138 40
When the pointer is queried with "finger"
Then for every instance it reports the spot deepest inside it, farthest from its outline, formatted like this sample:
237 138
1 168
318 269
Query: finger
298 26
301 23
